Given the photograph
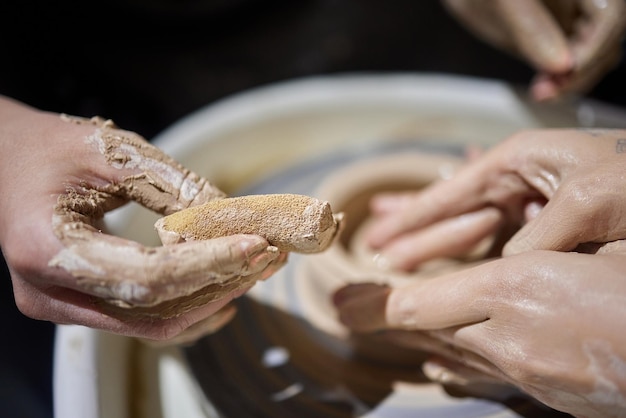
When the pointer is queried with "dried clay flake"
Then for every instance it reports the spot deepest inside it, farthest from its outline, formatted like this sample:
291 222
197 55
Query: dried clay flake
290 222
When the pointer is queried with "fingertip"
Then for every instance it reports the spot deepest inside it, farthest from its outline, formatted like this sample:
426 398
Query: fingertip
398 257
263 258
543 89
362 306
253 244
274 264
387 202
438 372
375 235
533 208
560 61
516 246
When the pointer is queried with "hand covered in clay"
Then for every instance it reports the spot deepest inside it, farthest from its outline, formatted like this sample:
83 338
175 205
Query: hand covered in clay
547 322
59 176
556 189
571 43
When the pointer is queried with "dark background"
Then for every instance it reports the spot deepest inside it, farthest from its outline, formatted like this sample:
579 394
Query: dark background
147 63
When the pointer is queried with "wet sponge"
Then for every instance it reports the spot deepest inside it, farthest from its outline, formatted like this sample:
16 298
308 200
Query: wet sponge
290 222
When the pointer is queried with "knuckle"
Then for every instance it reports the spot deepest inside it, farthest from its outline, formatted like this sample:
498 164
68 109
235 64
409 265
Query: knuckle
515 278
508 277
583 195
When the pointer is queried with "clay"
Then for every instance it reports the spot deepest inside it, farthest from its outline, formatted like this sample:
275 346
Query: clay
142 285
160 183
290 222
349 189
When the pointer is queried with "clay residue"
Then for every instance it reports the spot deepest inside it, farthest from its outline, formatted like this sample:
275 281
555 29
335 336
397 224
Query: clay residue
144 277
157 181
293 223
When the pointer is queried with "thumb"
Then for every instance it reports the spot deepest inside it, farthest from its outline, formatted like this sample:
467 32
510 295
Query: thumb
147 175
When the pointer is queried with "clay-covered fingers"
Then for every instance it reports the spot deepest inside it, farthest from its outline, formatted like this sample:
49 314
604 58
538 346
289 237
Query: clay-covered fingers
66 306
207 326
397 214
166 294
447 315
444 302
561 187
452 237
141 172
128 274
489 181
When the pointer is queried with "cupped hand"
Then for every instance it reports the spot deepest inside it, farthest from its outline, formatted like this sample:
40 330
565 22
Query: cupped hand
548 322
558 189
58 177
572 44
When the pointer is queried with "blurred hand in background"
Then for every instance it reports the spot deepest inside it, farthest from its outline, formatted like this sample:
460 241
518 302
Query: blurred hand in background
572 44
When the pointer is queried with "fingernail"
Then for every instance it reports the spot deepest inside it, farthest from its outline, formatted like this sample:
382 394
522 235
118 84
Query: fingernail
543 90
437 373
532 210
252 245
276 263
386 262
265 257
382 262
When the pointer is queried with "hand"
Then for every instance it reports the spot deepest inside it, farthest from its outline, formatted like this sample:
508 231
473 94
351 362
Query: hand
562 187
571 43
550 323
59 176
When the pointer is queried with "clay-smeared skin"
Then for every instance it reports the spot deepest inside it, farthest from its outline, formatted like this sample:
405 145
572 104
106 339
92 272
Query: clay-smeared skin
62 175
162 185
548 316
289 222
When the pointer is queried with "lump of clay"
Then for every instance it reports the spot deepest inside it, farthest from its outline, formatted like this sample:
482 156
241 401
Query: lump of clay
290 222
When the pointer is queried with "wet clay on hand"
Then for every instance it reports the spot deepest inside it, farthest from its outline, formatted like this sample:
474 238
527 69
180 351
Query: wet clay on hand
292 223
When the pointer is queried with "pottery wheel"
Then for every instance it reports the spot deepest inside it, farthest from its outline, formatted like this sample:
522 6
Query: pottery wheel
285 356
